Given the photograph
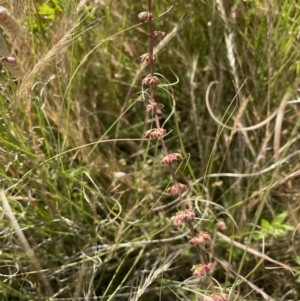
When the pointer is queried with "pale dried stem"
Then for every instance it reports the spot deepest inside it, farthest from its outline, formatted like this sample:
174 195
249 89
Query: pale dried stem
24 243
240 127
254 252
193 101
278 125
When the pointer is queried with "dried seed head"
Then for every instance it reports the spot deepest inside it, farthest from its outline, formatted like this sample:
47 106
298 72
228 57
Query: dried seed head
201 270
153 81
8 22
154 106
170 158
176 222
200 239
11 64
147 57
189 214
177 188
222 225
155 133
183 216
145 16
158 34
150 80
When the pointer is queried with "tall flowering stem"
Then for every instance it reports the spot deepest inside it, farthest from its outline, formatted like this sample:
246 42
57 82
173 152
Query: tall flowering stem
186 215
153 81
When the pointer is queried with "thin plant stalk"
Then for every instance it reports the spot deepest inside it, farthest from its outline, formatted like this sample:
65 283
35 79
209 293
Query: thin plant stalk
187 214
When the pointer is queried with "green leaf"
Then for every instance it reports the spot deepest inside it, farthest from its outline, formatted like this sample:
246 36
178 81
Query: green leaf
279 232
57 5
265 224
279 219
288 227
258 236
297 260
46 10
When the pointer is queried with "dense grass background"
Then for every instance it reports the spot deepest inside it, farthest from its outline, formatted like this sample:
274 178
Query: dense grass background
87 190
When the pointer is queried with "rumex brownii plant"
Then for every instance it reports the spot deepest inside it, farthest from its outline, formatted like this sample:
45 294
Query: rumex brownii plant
186 214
